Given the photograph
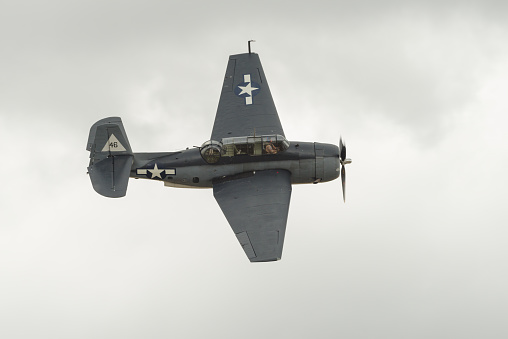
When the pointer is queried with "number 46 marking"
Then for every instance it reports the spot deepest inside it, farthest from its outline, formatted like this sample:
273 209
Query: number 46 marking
113 145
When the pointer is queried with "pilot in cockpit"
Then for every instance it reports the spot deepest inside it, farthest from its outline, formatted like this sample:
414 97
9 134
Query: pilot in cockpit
270 148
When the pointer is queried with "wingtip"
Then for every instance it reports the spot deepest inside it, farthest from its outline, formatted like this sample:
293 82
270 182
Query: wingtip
253 260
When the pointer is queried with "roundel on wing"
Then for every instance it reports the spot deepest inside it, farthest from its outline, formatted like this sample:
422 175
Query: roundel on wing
247 89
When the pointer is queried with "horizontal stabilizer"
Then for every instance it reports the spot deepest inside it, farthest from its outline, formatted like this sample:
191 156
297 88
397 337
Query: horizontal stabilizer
111 157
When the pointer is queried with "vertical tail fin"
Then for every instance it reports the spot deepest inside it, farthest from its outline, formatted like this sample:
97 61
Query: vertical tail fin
110 157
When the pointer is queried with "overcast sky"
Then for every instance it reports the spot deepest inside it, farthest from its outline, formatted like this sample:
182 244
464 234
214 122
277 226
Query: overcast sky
418 89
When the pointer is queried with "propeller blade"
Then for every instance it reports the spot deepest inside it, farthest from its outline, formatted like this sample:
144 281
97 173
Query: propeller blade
342 150
343 179
343 162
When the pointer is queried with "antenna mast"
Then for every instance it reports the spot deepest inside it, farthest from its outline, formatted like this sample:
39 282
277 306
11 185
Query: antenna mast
249 44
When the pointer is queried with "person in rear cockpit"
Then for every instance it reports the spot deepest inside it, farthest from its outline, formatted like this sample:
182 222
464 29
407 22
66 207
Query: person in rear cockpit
271 149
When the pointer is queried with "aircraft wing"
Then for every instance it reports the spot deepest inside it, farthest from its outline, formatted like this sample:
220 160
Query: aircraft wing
256 206
245 106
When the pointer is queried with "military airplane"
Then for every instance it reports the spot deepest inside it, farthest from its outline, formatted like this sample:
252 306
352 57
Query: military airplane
248 162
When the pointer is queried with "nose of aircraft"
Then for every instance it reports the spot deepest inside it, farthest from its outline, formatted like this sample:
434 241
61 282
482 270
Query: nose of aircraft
331 161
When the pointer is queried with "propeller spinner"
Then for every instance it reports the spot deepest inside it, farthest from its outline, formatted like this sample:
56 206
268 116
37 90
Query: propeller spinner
343 161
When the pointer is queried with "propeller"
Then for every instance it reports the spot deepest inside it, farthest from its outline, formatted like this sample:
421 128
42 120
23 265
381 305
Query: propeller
343 161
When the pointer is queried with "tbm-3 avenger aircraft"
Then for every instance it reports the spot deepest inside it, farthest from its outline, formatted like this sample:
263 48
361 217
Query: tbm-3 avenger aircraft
247 162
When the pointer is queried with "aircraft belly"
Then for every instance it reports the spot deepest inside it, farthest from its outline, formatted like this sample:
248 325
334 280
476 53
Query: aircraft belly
201 176
260 166
175 185
204 175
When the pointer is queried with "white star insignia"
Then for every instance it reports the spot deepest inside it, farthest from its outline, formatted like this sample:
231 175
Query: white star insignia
155 172
247 89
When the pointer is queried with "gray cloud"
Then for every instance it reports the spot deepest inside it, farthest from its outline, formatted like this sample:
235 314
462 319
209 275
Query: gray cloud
418 91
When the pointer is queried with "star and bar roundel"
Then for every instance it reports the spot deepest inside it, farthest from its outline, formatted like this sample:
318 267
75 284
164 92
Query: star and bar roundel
156 172
247 89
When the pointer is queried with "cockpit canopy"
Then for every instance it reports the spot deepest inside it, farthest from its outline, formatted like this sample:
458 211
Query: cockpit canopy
265 144
212 150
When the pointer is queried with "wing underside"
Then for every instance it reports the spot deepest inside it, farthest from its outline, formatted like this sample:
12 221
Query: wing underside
256 206
246 105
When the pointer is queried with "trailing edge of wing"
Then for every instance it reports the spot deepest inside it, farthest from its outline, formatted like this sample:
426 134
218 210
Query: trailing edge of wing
256 205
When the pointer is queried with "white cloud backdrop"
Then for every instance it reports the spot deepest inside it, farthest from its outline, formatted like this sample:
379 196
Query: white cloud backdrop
418 90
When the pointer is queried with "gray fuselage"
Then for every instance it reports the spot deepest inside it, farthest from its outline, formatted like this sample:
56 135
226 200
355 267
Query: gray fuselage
308 162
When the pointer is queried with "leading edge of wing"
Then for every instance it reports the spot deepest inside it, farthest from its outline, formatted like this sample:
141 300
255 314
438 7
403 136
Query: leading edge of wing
256 205
246 105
